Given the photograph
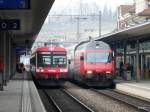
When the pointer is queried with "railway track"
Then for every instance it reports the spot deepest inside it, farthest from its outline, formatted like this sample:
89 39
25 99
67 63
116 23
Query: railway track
63 101
141 105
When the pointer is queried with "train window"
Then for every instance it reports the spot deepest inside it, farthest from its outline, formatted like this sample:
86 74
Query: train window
69 61
97 57
32 61
47 60
44 59
59 59
110 57
81 58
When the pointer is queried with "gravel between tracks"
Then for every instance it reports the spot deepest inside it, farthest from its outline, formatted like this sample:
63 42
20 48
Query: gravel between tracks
96 101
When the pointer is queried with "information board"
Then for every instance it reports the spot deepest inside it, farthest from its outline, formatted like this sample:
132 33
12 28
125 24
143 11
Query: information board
14 4
20 50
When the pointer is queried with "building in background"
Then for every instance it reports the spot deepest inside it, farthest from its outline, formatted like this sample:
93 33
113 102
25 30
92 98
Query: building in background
130 15
124 13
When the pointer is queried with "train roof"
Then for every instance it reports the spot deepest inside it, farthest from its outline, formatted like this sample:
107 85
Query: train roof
93 45
51 48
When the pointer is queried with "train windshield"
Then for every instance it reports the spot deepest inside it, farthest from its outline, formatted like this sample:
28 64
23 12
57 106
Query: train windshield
52 59
98 57
59 59
44 59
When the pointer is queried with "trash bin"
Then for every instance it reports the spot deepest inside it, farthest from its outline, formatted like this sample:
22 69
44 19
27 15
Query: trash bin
128 75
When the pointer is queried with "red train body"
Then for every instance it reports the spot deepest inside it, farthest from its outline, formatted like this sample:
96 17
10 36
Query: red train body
49 65
93 64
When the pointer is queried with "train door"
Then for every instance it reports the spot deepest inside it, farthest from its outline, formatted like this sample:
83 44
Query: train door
33 63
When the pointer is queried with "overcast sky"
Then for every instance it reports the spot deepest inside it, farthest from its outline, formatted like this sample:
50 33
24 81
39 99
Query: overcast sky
61 5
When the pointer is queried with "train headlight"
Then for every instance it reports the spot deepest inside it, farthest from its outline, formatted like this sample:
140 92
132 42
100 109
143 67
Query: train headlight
108 72
89 72
42 70
63 70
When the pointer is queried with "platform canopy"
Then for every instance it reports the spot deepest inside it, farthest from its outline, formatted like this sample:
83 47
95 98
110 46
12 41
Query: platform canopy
31 19
141 32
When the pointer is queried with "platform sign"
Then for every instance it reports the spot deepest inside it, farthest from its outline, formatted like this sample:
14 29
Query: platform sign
14 4
9 24
20 50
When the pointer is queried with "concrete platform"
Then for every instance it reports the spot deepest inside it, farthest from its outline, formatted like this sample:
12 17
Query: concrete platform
20 95
138 89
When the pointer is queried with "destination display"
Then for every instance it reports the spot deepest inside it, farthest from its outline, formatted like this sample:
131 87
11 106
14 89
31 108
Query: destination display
14 4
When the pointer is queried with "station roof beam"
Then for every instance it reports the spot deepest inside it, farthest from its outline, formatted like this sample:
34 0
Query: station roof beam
31 20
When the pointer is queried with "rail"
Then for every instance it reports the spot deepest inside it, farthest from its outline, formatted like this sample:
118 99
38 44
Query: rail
61 98
139 104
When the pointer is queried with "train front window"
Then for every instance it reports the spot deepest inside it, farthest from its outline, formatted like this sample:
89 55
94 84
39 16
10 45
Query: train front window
54 59
97 57
59 59
44 59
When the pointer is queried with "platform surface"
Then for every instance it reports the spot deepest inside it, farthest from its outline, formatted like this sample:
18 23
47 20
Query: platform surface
20 95
139 89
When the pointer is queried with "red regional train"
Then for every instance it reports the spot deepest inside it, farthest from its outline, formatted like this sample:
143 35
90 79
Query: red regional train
49 65
92 64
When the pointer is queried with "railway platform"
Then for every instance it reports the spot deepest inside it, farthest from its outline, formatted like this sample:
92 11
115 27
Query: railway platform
139 89
20 95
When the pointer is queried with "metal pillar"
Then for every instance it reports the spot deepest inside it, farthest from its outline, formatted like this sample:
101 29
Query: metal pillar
125 59
137 62
6 57
100 23
125 53
78 30
10 58
13 61
142 66
1 61
115 55
4 54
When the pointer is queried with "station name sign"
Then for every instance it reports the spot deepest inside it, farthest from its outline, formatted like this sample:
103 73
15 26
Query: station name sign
9 24
14 4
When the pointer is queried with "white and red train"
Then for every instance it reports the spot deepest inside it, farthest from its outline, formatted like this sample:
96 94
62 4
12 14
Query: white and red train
92 63
49 65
